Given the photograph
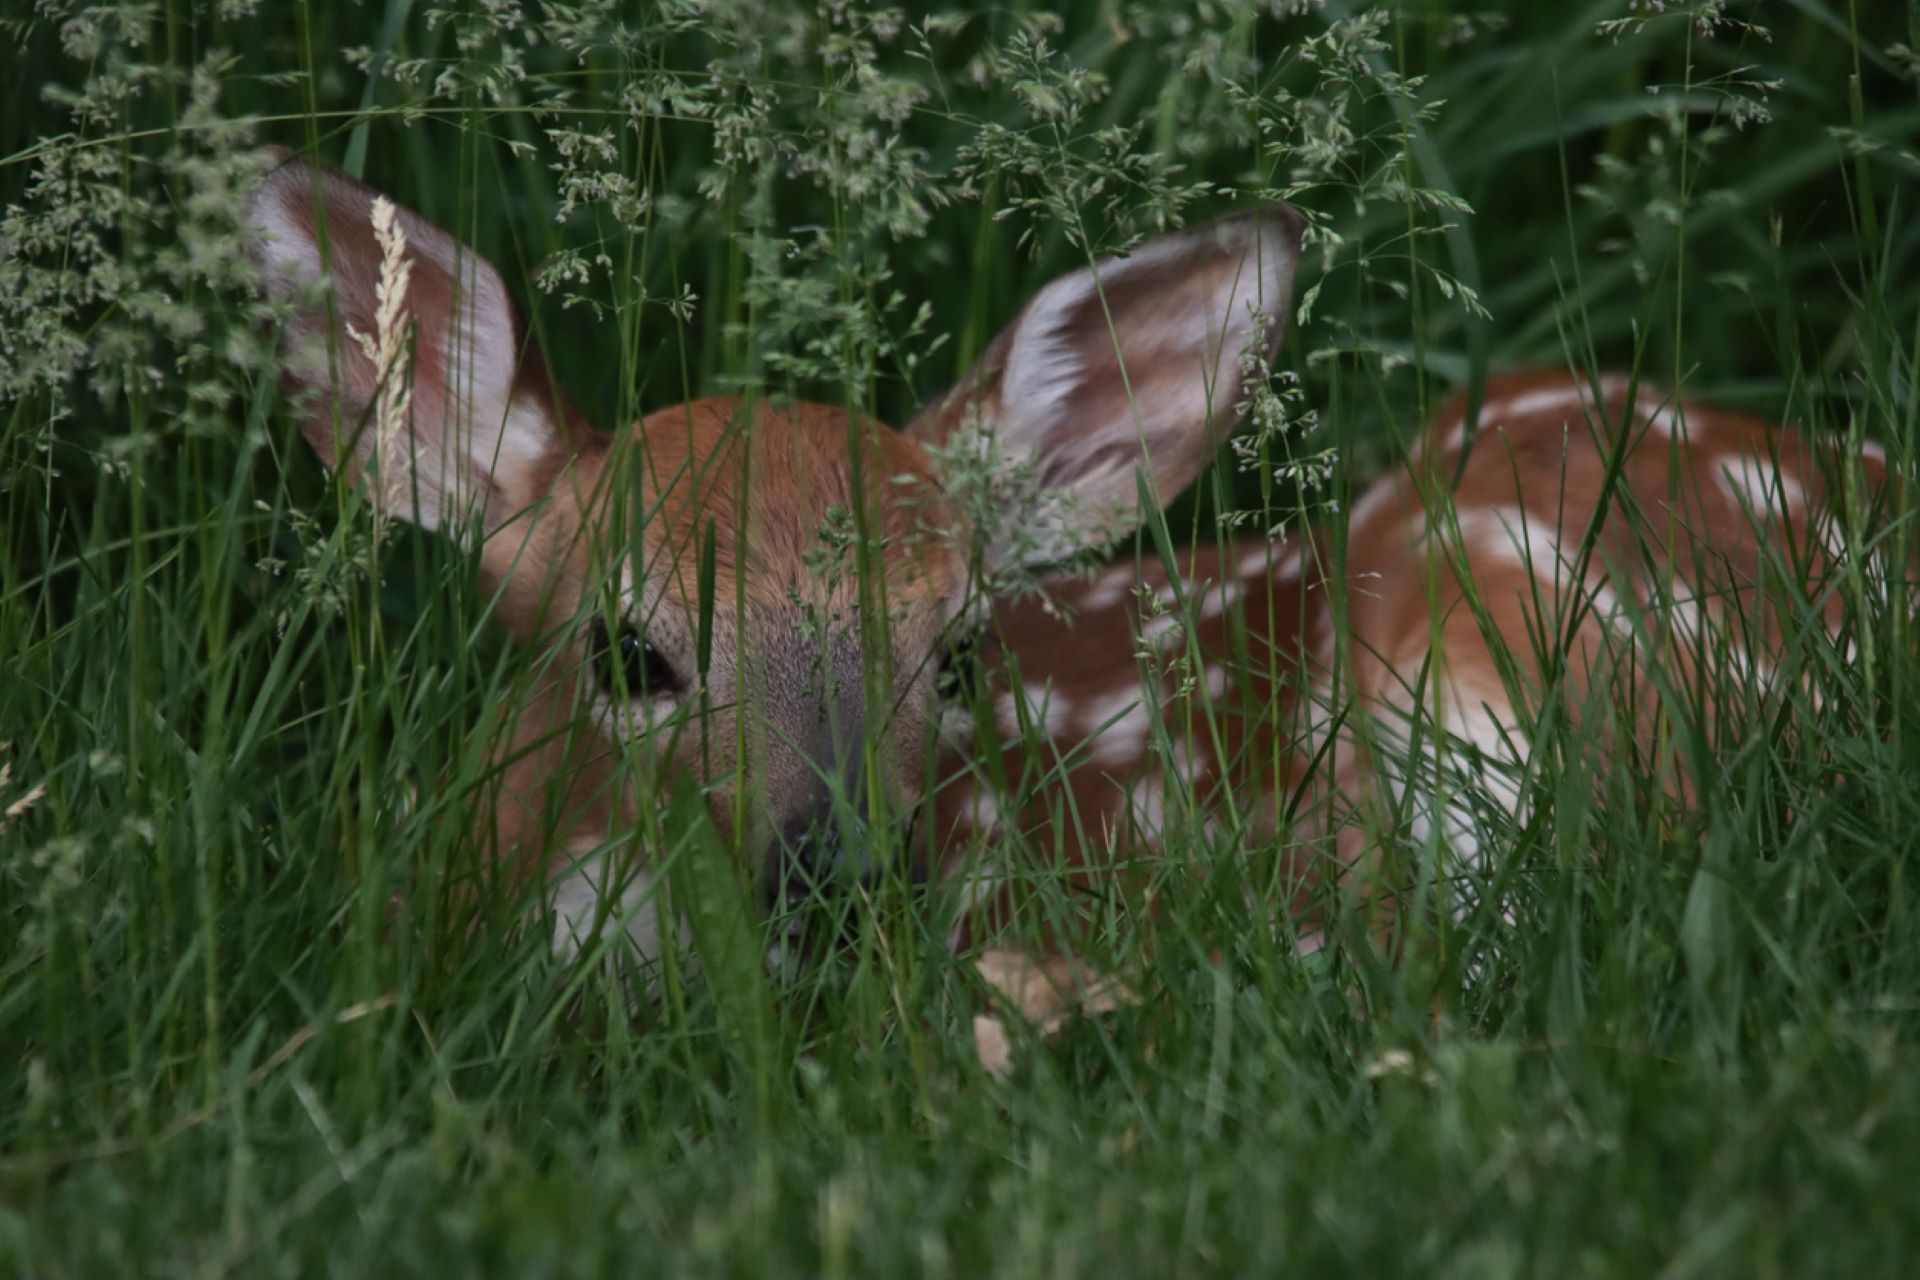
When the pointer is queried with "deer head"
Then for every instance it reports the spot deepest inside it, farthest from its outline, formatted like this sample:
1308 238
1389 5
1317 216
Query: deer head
759 590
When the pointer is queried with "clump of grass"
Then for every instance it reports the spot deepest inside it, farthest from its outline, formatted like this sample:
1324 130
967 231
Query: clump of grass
251 1019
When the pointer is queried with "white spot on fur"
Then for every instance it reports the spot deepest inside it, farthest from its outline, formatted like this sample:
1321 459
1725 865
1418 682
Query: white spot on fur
982 809
1219 597
1687 621
1122 721
1510 535
1540 400
1703 630
1321 641
1570 395
1147 806
1373 502
1043 706
1267 563
1664 416
1451 437
1110 588
1179 758
1758 488
1162 631
1007 712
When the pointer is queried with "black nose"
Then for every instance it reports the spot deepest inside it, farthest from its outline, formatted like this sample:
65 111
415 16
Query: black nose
809 850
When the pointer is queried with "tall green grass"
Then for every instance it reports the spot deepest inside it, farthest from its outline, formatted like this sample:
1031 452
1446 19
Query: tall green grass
245 1024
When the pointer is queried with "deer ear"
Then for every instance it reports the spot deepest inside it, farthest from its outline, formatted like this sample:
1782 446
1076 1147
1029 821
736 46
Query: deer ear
411 363
1132 362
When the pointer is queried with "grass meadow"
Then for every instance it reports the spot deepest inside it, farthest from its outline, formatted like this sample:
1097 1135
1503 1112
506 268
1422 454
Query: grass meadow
244 1030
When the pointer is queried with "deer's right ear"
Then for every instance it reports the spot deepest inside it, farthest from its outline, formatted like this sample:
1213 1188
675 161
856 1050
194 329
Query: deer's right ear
1132 362
410 363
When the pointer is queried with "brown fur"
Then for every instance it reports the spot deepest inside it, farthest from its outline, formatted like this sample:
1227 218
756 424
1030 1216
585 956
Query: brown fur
1674 543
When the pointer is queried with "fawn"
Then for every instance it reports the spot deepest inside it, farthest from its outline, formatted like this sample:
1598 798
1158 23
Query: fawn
1615 523
810 692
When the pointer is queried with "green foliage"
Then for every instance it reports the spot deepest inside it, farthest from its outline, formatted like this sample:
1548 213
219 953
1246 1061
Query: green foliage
249 1021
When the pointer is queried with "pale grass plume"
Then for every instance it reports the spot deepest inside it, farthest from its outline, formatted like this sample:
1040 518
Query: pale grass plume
385 348
20 807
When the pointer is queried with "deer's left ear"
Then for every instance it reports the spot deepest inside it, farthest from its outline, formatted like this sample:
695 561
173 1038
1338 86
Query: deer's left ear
1131 362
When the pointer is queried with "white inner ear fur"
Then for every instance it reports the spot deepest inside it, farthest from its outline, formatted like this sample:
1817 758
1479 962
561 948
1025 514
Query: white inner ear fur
290 256
480 359
1185 368
486 431
1043 368
467 427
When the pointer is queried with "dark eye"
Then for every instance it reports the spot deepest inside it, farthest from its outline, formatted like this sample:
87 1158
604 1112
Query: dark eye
628 663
